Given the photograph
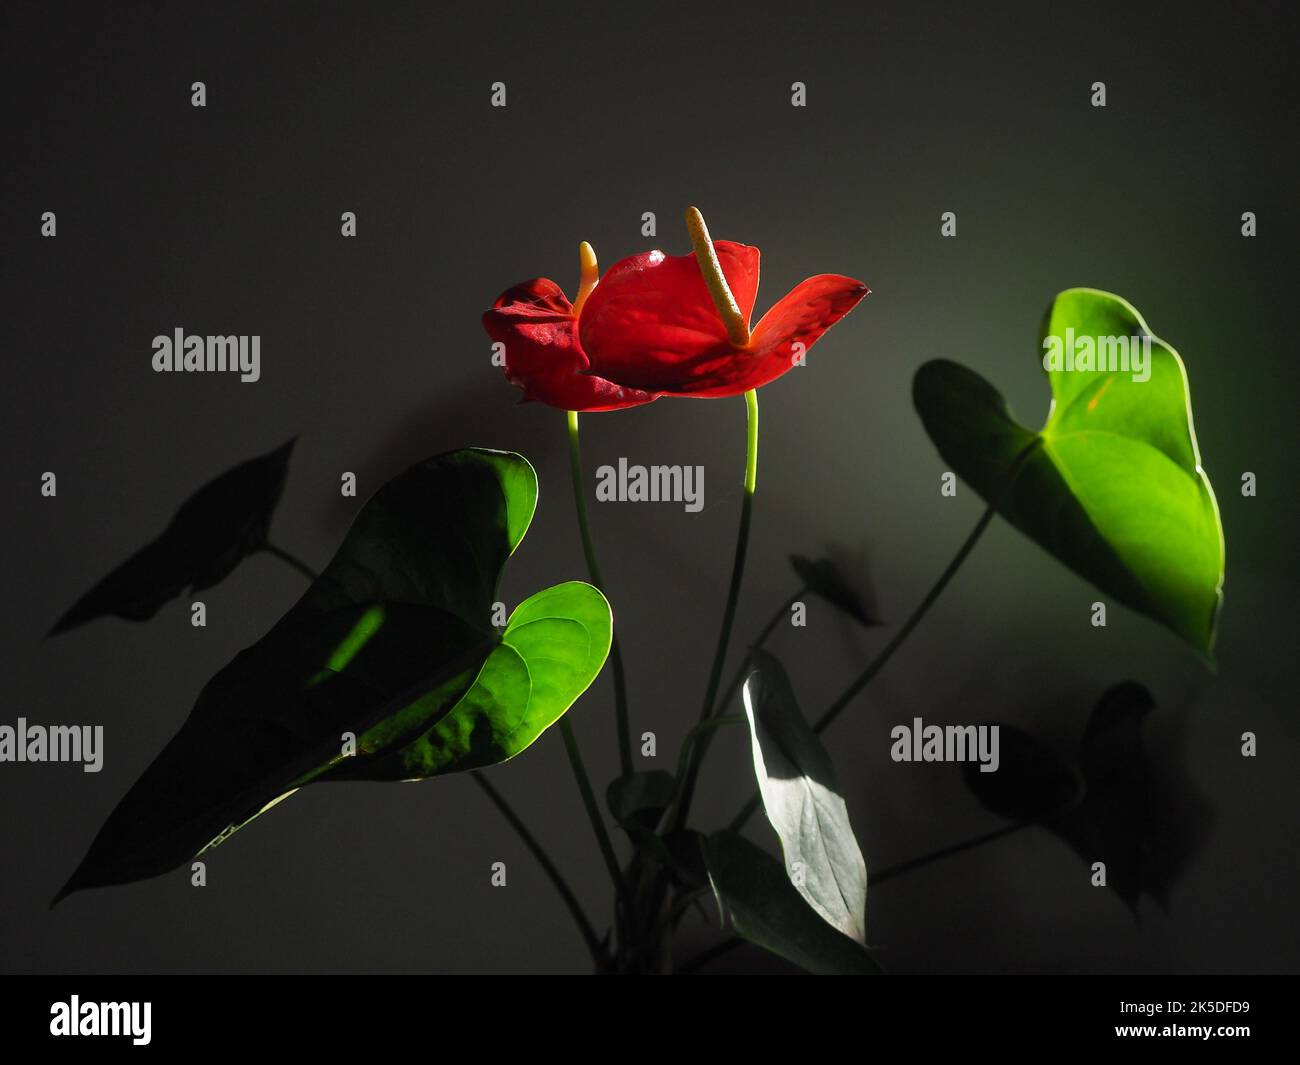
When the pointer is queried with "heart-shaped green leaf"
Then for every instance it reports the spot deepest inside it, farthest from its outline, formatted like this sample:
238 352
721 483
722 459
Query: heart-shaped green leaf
396 629
219 526
797 785
1112 484
757 900
552 649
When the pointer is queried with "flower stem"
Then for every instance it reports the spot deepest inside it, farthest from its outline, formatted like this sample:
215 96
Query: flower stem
292 560
878 663
738 678
687 786
593 569
556 877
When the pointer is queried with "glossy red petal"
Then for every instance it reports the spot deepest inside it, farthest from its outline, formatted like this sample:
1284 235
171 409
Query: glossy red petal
799 317
651 316
535 322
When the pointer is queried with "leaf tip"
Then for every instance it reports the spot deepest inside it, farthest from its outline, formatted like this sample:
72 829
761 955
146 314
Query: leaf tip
69 888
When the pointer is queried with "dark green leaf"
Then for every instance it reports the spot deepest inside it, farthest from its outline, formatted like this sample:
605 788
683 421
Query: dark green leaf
1114 486
757 900
219 526
685 855
797 785
399 619
639 799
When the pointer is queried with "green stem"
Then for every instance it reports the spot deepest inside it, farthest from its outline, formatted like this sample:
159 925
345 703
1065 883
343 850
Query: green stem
665 925
593 569
878 663
292 560
556 877
833 711
687 788
593 810
738 678
742 670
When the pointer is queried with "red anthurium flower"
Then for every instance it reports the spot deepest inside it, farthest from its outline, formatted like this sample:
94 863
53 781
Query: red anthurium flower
660 324
539 328
679 324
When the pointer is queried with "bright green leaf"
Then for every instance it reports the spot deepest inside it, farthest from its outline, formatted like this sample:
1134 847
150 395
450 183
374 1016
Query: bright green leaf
552 649
797 784
1112 484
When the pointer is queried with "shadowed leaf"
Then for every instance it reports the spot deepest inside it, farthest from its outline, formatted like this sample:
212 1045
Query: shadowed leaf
638 799
219 526
685 852
758 901
391 639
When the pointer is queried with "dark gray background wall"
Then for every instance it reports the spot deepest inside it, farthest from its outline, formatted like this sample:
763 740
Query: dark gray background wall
225 220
